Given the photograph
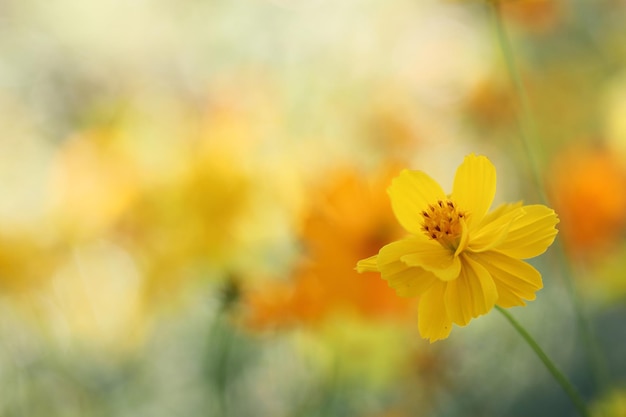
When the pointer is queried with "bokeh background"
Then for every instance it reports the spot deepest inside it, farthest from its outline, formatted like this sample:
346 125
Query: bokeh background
186 187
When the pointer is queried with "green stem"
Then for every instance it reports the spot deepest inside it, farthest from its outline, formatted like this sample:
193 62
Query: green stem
530 138
526 123
569 389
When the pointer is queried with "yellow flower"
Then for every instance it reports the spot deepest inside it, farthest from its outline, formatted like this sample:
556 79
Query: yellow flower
459 259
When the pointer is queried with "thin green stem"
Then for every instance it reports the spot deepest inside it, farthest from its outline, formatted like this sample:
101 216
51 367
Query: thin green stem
530 139
526 123
567 386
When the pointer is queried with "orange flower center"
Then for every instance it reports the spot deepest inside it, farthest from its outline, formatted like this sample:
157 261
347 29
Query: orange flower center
442 222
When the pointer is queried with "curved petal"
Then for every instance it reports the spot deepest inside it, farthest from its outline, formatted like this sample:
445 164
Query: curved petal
471 295
367 265
474 188
515 280
432 320
499 211
406 280
531 234
412 192
492 233
464 241
431 256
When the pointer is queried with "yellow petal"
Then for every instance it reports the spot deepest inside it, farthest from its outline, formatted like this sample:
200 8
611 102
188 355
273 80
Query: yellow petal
432 320
408 281
431 256
474 188
464 241
499 211
531 234
491 234
411 192
515 280
367 265
472 294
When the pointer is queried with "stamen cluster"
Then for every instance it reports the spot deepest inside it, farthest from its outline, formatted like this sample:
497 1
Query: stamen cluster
442 222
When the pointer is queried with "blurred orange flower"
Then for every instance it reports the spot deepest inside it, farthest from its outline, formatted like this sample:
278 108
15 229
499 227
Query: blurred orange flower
349 218
534 15
390 126
491 104
588 187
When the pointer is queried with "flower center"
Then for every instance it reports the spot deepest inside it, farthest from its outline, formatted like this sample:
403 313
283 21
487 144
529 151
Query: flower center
442 222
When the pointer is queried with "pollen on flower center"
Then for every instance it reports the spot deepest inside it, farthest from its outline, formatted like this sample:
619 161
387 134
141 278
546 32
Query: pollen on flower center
442 222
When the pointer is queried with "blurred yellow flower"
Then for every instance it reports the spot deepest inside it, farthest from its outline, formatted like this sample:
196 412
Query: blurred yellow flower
612 404
20 272
183 226
92 183
461 260
94 300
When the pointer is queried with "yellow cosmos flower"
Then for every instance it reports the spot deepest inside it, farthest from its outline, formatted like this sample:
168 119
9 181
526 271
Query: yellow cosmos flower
459 259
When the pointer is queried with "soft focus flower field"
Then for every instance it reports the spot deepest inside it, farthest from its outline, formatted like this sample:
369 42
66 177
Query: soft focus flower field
187 188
